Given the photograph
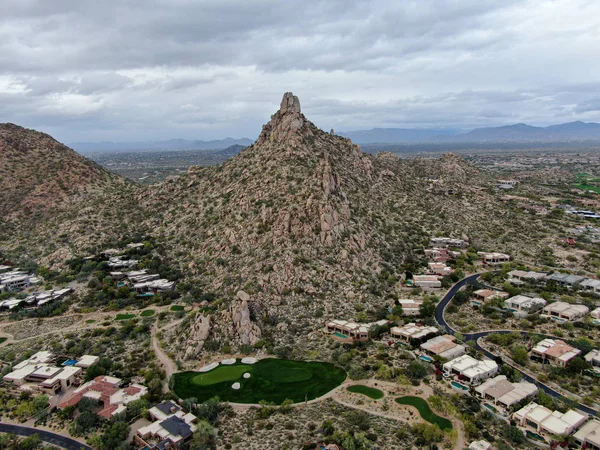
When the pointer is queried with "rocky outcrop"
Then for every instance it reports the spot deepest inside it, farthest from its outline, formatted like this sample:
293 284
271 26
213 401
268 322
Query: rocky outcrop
248 332
285 123
198 334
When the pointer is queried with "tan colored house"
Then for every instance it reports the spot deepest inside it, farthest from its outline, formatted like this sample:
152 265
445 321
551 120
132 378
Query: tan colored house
549 423
480 296
348 331
563 311
412 332
555 351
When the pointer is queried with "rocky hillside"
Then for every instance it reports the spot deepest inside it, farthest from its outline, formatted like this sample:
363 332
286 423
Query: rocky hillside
299 227
37 173
303 225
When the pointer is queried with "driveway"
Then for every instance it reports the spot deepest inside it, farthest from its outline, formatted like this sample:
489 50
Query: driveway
46 436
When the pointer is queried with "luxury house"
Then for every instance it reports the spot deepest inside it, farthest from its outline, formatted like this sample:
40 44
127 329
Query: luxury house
554 351
564 311
502 392
471 370
443 346
547 423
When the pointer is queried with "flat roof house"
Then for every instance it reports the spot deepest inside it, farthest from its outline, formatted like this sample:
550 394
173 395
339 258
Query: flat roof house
427 281
443 346
86 361
593 357
480 296
555 351
480 445
440 269
588 436
448 242
500 391
565 279
590 285
410 307
412 332
524 304
518 277
348 331
471 370
549 423
171 427
437 254
493 258
566 311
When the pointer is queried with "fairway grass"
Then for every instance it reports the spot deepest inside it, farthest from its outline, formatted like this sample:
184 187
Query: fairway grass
587 187
124 316
221 374
370 392
273 380
147 313
425 411
177 308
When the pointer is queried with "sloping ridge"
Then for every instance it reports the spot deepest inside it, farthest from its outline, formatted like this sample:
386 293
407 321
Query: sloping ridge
38 173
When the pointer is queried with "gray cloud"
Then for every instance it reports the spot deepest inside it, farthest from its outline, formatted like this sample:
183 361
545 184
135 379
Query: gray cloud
134 70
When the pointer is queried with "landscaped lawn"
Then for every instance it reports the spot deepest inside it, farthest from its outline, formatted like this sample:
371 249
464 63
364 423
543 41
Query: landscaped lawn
370 392
124 316
425 411
177 308
147 313
587 187
273 380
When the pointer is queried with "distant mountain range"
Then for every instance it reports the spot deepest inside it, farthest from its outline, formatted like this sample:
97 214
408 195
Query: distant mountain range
511 133
520 132
171 144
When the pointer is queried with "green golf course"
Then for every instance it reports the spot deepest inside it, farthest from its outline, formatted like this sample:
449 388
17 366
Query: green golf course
273 380
370 392
425 411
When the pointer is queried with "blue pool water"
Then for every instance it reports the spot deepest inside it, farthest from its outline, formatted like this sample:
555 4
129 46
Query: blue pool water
425 358
70 362
457 385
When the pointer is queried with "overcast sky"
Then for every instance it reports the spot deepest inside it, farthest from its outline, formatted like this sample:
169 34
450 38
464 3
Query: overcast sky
127 70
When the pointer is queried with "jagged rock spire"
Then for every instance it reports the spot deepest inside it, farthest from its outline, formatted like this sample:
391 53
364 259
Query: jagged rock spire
285 122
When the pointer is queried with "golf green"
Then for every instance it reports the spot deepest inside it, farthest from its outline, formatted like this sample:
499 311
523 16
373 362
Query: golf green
370 392
273 380
425 411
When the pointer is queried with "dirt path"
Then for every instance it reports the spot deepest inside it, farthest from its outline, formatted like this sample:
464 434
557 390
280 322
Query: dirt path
163 358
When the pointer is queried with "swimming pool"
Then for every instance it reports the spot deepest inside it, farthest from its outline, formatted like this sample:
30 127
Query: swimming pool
460 387
534 436
70 362
340 335
490 407
426 358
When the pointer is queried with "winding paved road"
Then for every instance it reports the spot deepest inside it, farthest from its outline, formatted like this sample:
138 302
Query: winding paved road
46 436
441 320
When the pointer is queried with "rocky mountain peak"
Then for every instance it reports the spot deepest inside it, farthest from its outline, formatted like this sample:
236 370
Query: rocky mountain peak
284 123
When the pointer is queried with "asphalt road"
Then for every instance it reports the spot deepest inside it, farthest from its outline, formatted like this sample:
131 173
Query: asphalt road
440 319
46 436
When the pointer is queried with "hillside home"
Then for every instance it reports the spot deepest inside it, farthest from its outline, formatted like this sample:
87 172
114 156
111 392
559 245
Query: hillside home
410 307
427 281
549 423
480 296
524 304
588 436
554 351
480 445
439 254
565 279
345 330
590 285
564 311
118 262
492 259
593 357
106 390
154 286
171 427
595 315
447 242
16 280
443 346
38 371
519 277
413 333
502 392
471 370
440 269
